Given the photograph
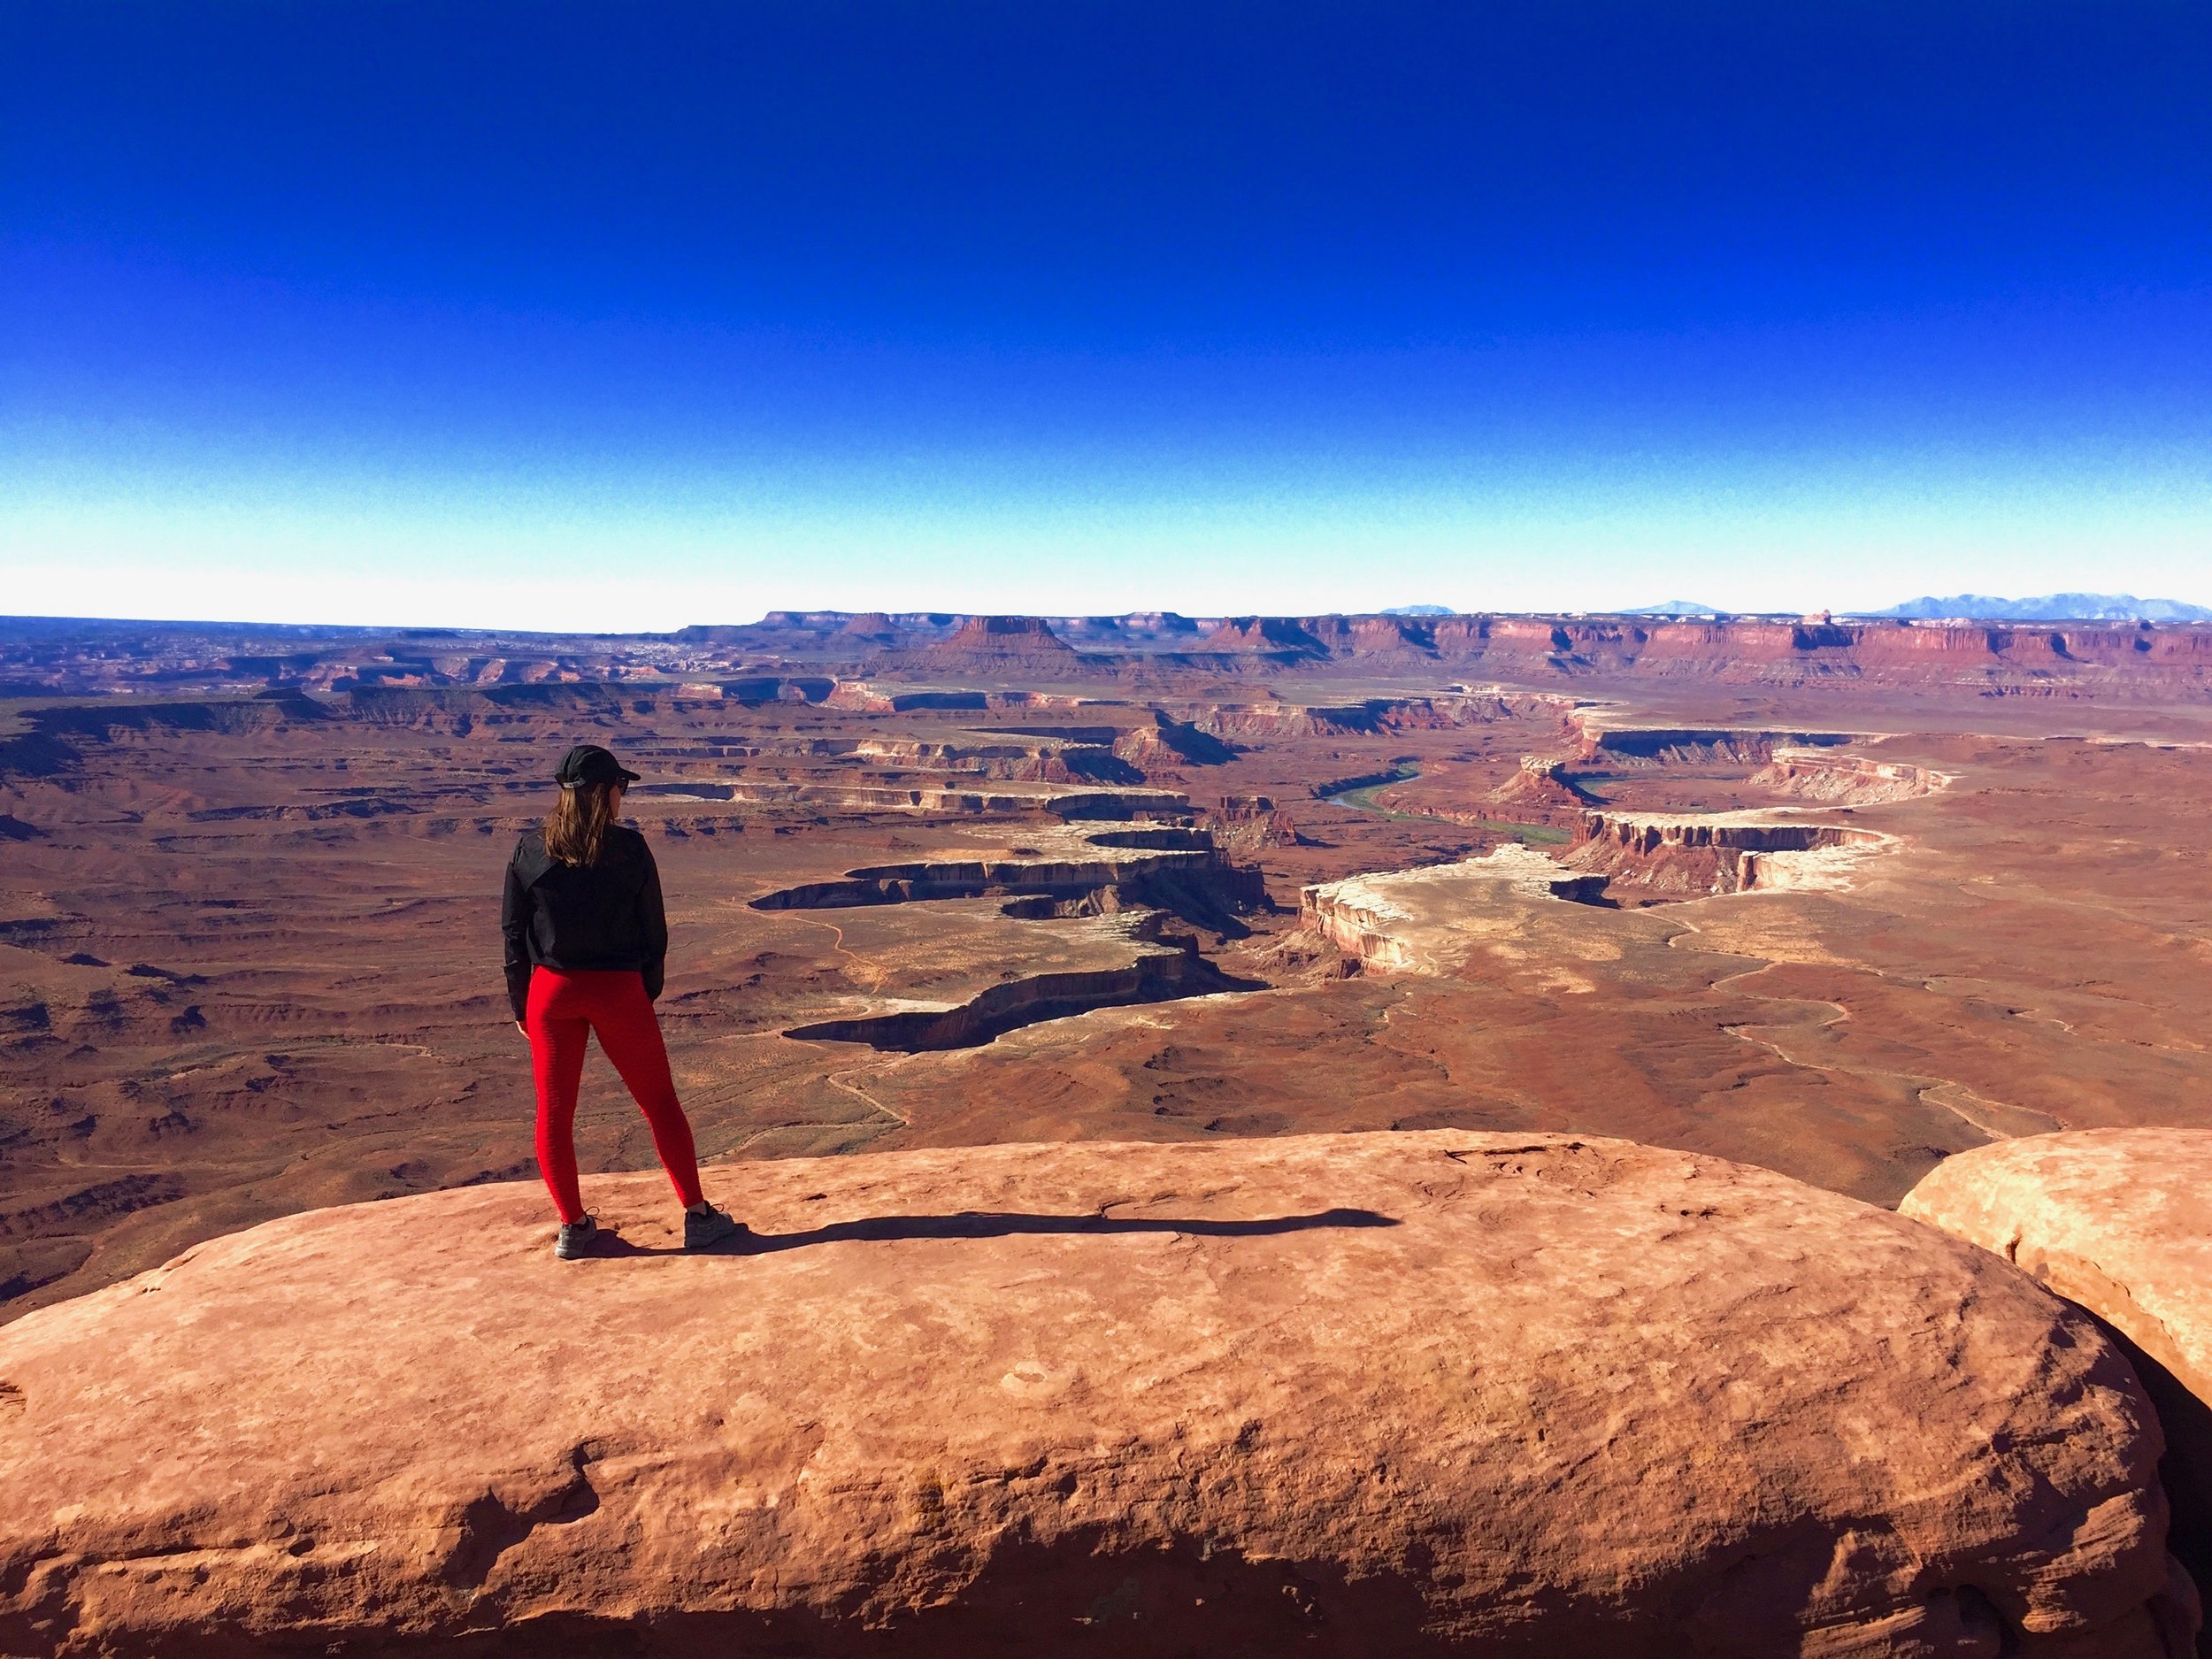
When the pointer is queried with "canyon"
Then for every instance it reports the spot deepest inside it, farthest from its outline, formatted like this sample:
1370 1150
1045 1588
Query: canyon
245 945
1828 905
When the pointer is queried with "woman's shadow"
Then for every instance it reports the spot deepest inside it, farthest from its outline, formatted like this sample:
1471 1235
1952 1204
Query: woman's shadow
995 1224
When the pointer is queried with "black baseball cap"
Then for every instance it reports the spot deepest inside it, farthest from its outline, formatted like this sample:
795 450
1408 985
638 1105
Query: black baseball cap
587 763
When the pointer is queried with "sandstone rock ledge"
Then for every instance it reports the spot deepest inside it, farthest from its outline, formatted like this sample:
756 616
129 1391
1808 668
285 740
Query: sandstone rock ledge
2119 1220
1360 1394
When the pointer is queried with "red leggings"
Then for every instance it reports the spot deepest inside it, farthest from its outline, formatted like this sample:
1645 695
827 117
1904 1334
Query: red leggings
565 1009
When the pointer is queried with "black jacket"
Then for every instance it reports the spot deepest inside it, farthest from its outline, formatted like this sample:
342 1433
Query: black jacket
579 917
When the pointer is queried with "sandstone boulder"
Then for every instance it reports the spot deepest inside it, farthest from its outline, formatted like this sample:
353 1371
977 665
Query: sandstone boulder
1362 1395
2119 1220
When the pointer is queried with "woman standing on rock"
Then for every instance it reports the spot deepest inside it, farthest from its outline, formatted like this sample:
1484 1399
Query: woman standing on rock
587 943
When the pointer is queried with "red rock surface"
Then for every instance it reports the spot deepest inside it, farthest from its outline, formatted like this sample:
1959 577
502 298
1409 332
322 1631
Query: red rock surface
1542 783
1401 1393
2119 1220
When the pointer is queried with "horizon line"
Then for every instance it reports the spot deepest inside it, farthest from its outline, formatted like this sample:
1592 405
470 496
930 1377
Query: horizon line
1203 620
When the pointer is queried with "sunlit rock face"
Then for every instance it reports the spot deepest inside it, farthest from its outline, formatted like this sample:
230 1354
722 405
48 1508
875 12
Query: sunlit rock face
2120 1221
1429 919
1445 1392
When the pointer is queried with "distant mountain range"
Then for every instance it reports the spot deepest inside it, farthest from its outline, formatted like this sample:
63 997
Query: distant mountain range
1671 607
1419 610
2049 608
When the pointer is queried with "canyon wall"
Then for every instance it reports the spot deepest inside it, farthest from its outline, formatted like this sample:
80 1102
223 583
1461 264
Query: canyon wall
756 661
1716 852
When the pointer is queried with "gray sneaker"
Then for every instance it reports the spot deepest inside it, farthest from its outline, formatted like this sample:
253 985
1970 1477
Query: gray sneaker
578 1238
704 1231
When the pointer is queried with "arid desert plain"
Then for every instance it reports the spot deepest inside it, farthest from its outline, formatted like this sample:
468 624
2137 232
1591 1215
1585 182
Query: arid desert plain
1832 900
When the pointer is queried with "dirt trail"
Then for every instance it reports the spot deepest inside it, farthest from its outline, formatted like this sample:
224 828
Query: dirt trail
1995 1120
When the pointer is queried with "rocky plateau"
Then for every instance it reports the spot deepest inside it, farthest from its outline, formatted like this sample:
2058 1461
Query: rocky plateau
1429 1393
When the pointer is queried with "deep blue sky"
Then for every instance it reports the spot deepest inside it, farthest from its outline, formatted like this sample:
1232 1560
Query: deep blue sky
641 314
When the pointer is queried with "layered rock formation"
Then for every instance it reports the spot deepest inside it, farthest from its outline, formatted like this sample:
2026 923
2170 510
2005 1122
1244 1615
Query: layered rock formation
1275 720
1656 745
1084 872
1686 855
1114 891
1000 639
1167 743
1405 1394
1153 965
77 657
1846 779
1425 920
1064 800
1245 825
2119 1220
1541 791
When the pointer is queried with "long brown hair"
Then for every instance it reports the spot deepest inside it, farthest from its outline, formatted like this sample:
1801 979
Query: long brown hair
577 827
